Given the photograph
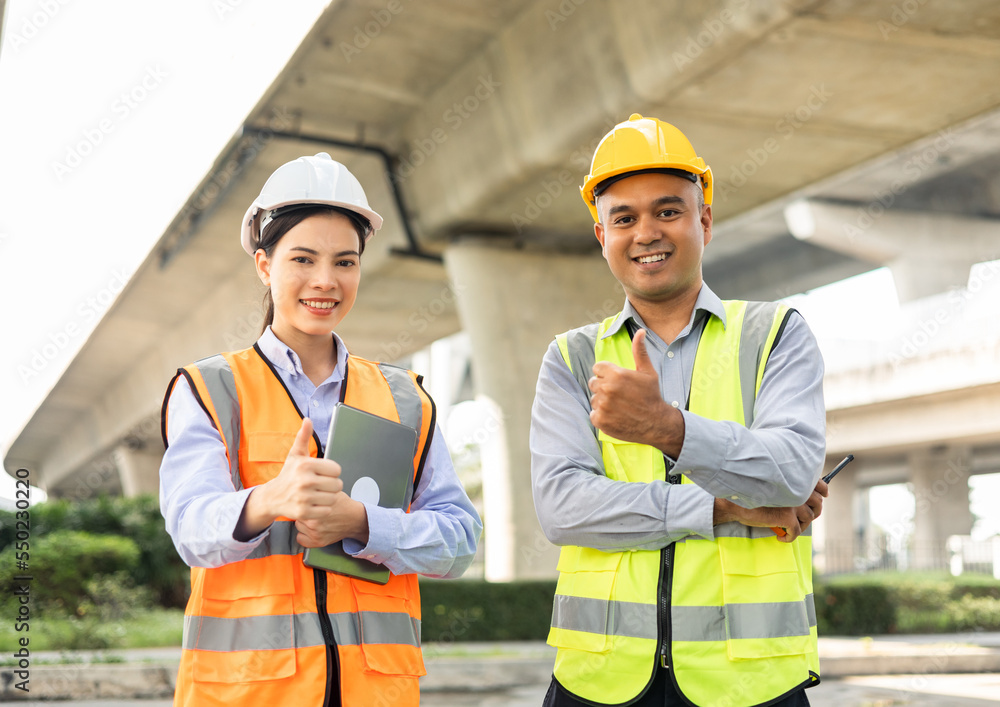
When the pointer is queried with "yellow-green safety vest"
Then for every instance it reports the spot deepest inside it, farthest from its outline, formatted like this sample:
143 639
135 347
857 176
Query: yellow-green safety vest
733 618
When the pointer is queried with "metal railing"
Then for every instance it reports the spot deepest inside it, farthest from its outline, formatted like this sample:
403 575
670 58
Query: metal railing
959 555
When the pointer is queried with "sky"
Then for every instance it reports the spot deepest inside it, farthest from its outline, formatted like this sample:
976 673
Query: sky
115 110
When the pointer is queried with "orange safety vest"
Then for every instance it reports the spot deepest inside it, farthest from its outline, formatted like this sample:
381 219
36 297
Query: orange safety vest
269 629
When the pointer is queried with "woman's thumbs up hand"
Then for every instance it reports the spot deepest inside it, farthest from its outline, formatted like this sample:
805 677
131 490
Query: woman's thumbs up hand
306 487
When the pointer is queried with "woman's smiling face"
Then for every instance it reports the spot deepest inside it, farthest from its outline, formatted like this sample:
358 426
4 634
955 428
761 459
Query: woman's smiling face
313 272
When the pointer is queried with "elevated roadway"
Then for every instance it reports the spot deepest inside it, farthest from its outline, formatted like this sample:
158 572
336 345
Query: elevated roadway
471 126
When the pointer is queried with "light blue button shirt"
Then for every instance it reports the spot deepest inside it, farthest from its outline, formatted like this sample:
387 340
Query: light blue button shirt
775 462
437 538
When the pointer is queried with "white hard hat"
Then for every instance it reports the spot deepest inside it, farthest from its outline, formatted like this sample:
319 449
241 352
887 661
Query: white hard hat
308 180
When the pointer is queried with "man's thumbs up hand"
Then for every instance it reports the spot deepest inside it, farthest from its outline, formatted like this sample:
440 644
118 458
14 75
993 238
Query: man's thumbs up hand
626 404
641 357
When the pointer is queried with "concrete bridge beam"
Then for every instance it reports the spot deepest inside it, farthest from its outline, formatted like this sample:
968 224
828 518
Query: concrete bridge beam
928 253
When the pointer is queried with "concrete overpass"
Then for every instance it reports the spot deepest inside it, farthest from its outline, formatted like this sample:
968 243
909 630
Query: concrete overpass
830 126
922 407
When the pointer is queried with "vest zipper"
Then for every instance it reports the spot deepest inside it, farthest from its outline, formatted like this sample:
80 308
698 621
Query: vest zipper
333 689
332 698
666 588
667 574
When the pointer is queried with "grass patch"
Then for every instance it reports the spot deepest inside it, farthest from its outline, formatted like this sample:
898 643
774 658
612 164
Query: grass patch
150 628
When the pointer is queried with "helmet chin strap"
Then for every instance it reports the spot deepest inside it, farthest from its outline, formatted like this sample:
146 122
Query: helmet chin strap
270 215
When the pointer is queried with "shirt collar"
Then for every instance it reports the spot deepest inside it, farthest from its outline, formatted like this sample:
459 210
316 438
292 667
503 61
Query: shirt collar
707 302
279 354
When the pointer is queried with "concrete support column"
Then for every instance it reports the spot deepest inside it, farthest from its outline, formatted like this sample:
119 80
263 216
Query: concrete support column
512 303
941 494
139 469
840 536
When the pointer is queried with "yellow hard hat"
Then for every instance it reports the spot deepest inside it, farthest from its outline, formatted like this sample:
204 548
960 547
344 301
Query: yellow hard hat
644 144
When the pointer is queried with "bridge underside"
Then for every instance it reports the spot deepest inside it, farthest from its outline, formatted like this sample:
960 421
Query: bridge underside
471 126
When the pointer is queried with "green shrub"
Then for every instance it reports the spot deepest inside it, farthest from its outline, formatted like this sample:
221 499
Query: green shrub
159 567
917 595
465 610
63 562
114 597
934 620
911 602
75 633
972 613
854 606
976 586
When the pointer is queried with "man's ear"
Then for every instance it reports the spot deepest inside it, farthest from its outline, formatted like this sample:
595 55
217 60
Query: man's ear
599 232
263 266
706 222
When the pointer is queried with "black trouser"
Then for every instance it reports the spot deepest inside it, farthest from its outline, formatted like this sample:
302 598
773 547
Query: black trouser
661 693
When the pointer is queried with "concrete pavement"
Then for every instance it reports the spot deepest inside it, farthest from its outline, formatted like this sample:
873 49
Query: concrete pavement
884 670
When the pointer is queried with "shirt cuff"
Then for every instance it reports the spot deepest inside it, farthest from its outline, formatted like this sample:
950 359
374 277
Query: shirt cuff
383 528
206 538
690 511
243 496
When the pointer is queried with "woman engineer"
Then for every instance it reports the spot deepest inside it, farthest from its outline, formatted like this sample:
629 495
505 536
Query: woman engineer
244 486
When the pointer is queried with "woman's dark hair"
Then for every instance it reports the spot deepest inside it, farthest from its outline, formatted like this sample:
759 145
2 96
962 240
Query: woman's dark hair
283 223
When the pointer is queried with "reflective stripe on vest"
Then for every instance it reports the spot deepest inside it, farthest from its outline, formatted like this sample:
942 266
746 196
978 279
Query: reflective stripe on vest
244 634
222 388
252 629
741 606
688 623
280 540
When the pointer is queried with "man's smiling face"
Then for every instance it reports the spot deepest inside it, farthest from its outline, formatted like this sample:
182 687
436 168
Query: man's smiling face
653 231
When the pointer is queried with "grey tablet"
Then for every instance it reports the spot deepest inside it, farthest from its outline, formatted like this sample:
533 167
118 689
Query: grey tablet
376 466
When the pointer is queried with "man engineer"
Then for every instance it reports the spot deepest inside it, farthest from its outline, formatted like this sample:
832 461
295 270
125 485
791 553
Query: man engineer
671 444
